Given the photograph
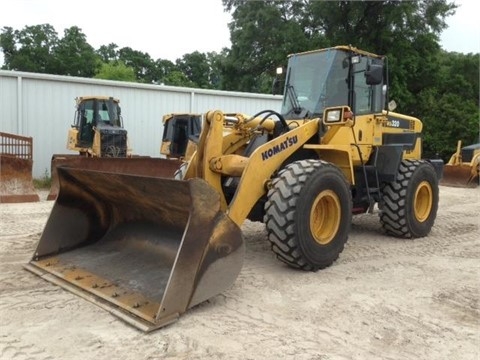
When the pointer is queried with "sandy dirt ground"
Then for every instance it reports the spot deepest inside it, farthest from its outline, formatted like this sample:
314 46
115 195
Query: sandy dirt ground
384 298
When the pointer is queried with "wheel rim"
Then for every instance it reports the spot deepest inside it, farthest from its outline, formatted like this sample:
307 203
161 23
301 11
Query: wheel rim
325 217
423 201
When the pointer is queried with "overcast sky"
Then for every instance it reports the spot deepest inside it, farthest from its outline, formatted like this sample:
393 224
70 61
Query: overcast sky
169 29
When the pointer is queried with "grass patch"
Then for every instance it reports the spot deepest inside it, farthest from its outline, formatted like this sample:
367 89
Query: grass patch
45 182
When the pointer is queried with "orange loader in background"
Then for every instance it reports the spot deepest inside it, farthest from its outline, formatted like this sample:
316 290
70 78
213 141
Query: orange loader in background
463 168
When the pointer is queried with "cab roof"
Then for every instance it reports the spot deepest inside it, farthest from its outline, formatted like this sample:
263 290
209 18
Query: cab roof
342 48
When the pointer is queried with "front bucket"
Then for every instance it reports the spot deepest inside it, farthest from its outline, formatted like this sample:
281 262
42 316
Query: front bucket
459 176
144 248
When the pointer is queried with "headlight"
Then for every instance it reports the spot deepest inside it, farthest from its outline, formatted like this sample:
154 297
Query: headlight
333 116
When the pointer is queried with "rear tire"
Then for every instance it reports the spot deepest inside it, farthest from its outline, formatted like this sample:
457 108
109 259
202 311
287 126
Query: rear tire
308 214
408 206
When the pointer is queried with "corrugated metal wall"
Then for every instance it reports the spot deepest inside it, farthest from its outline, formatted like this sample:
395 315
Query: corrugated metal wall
43 107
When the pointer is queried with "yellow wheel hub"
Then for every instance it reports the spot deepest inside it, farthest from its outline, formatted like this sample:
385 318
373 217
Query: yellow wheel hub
325 217
422 203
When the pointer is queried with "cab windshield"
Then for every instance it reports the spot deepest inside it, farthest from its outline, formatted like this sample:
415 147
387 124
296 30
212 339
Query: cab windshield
317 80
101 112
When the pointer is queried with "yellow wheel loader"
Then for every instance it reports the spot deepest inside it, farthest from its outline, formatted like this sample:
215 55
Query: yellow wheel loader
100 140
97 132
180 138
147 248
180 135
98 128
463 168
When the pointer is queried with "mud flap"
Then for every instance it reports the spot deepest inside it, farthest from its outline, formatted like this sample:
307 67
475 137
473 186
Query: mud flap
144 248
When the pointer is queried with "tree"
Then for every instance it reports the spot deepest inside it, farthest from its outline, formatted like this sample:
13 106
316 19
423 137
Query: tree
74 56
215 61
177 78
108 52
38 49
160 71
7 44
140 62
450 108
201 69
116 70
31 49
262 34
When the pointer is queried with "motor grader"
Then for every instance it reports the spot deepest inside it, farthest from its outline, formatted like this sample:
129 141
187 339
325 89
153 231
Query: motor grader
147 248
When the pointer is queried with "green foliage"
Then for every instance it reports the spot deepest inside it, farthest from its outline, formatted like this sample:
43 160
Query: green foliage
454 120
74 56
262 34
195 68
116 70
45 182
177 78
108 52
450 108
140 62
30 49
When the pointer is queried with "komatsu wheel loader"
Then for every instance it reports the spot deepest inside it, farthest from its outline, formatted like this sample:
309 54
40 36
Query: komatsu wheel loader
149 248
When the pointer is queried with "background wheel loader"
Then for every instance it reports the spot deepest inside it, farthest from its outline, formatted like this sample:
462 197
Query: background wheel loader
97 132
147 248
180 138
180 135
98 129
463 168
99 137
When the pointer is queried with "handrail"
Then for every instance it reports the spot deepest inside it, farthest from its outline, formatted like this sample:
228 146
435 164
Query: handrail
16 145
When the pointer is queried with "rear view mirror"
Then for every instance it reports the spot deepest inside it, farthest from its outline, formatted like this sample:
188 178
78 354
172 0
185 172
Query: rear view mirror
374 74
278 81
392 105
277 86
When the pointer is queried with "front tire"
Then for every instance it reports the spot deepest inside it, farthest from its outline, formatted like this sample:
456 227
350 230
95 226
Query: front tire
308 214
408 206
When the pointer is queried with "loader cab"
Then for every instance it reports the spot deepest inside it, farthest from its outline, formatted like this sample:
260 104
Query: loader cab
95 113
180 134
98 128
338 76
